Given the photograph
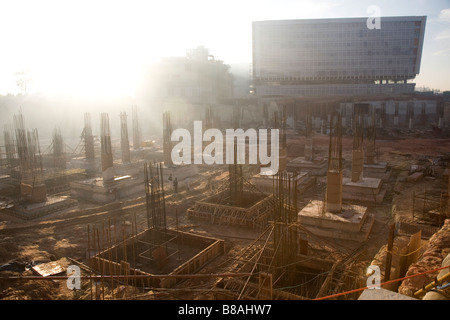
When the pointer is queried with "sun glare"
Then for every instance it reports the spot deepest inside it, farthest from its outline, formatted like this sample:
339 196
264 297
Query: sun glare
93 49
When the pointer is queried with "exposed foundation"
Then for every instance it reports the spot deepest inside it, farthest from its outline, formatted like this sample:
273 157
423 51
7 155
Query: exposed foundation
51 205
109 187
303 181
316 167
313 165
357 165
334 191
366 190
283 260
33 193
254 213
158 251
352 222
91 166
97 191
372 168
309 270
359 188
331 218
377 170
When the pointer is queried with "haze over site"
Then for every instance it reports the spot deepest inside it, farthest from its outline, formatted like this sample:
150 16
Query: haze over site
99 48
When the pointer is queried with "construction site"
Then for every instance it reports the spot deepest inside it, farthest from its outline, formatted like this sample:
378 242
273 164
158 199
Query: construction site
355 189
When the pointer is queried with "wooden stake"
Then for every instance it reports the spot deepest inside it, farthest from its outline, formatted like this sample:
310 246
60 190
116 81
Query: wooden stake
89 257
387 272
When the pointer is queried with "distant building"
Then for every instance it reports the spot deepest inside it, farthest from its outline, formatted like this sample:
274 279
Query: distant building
336 56
197 79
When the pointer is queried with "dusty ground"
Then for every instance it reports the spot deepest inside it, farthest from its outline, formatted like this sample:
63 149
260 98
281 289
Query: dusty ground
57 237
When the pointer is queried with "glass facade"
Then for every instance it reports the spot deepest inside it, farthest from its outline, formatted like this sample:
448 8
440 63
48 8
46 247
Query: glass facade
337 54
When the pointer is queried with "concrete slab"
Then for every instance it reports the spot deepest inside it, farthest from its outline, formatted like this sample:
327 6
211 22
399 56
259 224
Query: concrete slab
367 190
416 176
265 183
365 183
95 190
316 167
86 164
375 167
53 204
352 223
350 218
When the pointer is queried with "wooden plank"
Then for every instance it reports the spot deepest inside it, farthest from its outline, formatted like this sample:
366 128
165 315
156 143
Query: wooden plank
265 286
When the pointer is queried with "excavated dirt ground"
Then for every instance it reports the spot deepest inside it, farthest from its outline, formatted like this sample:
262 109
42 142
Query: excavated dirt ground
65 237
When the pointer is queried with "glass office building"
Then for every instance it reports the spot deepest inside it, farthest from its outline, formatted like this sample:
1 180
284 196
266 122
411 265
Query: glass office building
336 56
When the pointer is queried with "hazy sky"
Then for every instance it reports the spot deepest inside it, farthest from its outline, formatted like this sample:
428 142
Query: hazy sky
98 47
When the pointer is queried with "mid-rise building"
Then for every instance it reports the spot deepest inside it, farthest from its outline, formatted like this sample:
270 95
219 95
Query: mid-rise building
331 57
197 79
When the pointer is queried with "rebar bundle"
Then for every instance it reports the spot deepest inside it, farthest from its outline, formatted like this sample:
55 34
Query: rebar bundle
58 149
154 195
334 173
309 153
124 143
335 145
371 137
30 159
10 147
167 143
285 230
106 153
88 138
136 129
358 136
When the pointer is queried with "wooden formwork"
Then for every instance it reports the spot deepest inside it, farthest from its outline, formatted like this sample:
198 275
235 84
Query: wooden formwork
255 288
104 263
197 262
255 216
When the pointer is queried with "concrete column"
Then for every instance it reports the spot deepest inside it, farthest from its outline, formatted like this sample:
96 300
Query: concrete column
124 143
411 123
370 153
395 120
167 143
357 165
282 160
107 165
30 191
106 154
440 122
396 113
334 191
309 149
